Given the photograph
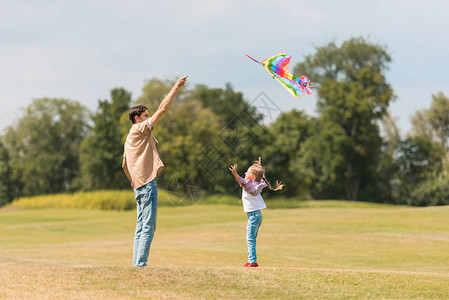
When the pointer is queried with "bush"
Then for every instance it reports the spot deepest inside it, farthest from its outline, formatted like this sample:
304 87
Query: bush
124 200
434 191
104 200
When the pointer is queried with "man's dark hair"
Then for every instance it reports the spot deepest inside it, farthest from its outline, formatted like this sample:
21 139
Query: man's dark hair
136 111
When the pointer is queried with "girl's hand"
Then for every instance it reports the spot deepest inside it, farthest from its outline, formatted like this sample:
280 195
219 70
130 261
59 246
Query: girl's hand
259 162
233 168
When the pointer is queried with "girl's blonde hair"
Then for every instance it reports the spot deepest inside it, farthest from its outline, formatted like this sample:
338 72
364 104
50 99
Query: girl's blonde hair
259 172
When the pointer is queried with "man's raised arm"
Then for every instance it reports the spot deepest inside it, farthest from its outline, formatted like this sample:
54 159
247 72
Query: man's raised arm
167 101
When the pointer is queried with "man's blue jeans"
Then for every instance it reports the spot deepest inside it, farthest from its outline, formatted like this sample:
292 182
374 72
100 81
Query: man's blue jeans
252 229
146 197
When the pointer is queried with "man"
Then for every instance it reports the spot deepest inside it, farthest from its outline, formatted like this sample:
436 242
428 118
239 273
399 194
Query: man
142 164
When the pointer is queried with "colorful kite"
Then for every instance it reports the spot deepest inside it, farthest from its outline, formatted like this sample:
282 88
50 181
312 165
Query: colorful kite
277 66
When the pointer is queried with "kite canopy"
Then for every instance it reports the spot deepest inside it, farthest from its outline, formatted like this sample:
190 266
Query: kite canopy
277 66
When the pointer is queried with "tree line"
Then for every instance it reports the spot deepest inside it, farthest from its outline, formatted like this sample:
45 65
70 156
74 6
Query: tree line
351 150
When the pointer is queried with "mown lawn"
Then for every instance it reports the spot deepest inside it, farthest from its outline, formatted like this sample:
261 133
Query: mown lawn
326 249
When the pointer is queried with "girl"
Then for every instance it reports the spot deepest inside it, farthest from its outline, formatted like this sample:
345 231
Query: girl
252 185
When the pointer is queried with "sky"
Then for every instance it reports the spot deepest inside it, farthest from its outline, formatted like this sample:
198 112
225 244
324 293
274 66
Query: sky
80 50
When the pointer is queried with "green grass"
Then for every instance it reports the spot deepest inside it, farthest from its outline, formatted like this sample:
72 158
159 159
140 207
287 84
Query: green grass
324 250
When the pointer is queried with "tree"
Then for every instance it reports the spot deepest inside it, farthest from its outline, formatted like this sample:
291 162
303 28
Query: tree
433 122
288 133
203 132
43 146
419 159
6 191
182 142
439 117
321 160
422 158
352 96
101 153
421 124
227 104
242 138
387 188
155 91
391 134
184 134
432 191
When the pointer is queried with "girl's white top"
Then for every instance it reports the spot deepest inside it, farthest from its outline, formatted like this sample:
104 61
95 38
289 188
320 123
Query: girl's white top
251 198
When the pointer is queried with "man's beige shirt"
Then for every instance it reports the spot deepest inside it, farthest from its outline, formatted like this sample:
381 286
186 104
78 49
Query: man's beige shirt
141 161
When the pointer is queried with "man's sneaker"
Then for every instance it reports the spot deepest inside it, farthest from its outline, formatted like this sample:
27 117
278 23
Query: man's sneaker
253 265
246 265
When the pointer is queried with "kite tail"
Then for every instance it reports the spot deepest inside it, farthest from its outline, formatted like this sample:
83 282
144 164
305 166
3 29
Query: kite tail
255 60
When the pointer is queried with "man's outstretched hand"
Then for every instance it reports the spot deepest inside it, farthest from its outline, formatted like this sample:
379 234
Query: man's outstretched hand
181 81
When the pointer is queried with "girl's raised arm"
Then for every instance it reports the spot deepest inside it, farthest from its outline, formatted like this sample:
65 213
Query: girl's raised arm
233 170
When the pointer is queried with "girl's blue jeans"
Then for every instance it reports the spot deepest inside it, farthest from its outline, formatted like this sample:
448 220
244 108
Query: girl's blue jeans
146 197
252 229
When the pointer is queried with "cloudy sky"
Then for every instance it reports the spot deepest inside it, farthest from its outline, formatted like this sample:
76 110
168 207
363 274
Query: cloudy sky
80 50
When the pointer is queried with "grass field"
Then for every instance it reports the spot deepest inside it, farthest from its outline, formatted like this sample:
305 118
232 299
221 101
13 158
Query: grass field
324 250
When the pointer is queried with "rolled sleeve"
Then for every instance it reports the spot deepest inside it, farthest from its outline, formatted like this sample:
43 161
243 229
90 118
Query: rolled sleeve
243 182
143 127
247 185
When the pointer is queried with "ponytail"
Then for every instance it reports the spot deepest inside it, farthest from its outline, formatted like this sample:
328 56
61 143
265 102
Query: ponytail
279 185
